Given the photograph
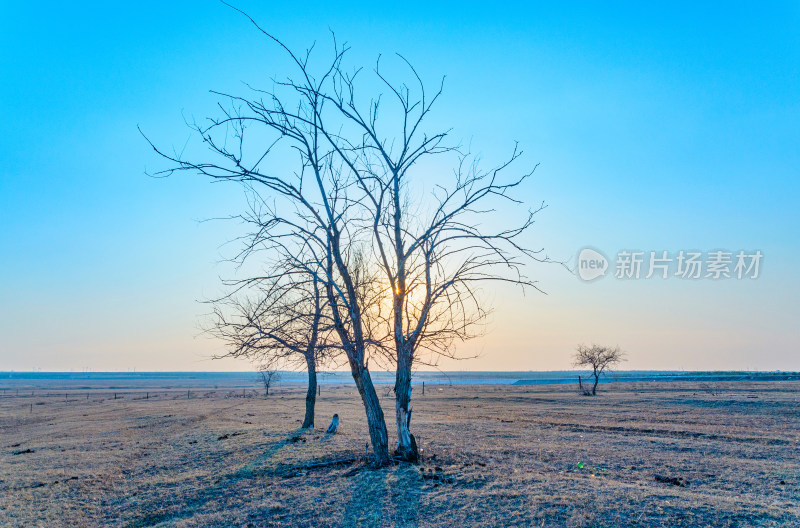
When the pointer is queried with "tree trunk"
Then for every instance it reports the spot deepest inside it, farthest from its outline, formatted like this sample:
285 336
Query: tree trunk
266 381
406 443
377 424
355 354
311 393
596 381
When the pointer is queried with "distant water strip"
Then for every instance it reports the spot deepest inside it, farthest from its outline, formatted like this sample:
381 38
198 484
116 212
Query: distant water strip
221 380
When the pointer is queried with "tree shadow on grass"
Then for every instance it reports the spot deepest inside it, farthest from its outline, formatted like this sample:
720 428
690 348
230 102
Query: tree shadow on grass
385 497
252 468
157 513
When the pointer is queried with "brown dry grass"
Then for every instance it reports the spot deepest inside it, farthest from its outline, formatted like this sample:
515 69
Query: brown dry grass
495 456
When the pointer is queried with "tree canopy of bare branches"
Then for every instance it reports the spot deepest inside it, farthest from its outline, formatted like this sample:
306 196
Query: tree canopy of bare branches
305 217
268 377
600 359
435 257
277 321
337 175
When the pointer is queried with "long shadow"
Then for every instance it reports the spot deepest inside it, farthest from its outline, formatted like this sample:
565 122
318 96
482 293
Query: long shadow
205 495
250 469
385 497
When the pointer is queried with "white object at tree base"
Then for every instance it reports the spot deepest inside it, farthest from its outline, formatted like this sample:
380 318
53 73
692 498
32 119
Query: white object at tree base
334 424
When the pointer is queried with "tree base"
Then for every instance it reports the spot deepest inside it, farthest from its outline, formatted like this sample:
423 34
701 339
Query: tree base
408 453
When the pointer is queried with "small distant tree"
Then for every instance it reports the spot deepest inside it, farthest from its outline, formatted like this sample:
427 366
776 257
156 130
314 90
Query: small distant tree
268 377
600 359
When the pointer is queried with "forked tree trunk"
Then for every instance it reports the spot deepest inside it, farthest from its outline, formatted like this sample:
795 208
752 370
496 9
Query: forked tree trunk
311 393
596 381
355 354
267 380
406 443
375 420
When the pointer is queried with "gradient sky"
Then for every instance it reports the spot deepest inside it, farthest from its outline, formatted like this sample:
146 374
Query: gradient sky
656 128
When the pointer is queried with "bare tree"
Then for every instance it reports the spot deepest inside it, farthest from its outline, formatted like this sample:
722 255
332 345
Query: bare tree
277 321
310 211
434 263
600 359
434 256
346 209
268 377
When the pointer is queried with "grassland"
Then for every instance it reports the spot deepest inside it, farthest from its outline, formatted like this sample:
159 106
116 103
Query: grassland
493 456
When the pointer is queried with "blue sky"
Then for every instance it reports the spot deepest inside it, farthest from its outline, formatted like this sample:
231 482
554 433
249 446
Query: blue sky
656 127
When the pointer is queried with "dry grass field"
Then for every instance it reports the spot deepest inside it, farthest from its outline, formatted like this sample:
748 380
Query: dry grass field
494 456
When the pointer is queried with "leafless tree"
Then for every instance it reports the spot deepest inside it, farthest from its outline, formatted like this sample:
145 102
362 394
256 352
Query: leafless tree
311 211
433 258
352 207
600 359
277 321
268 377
